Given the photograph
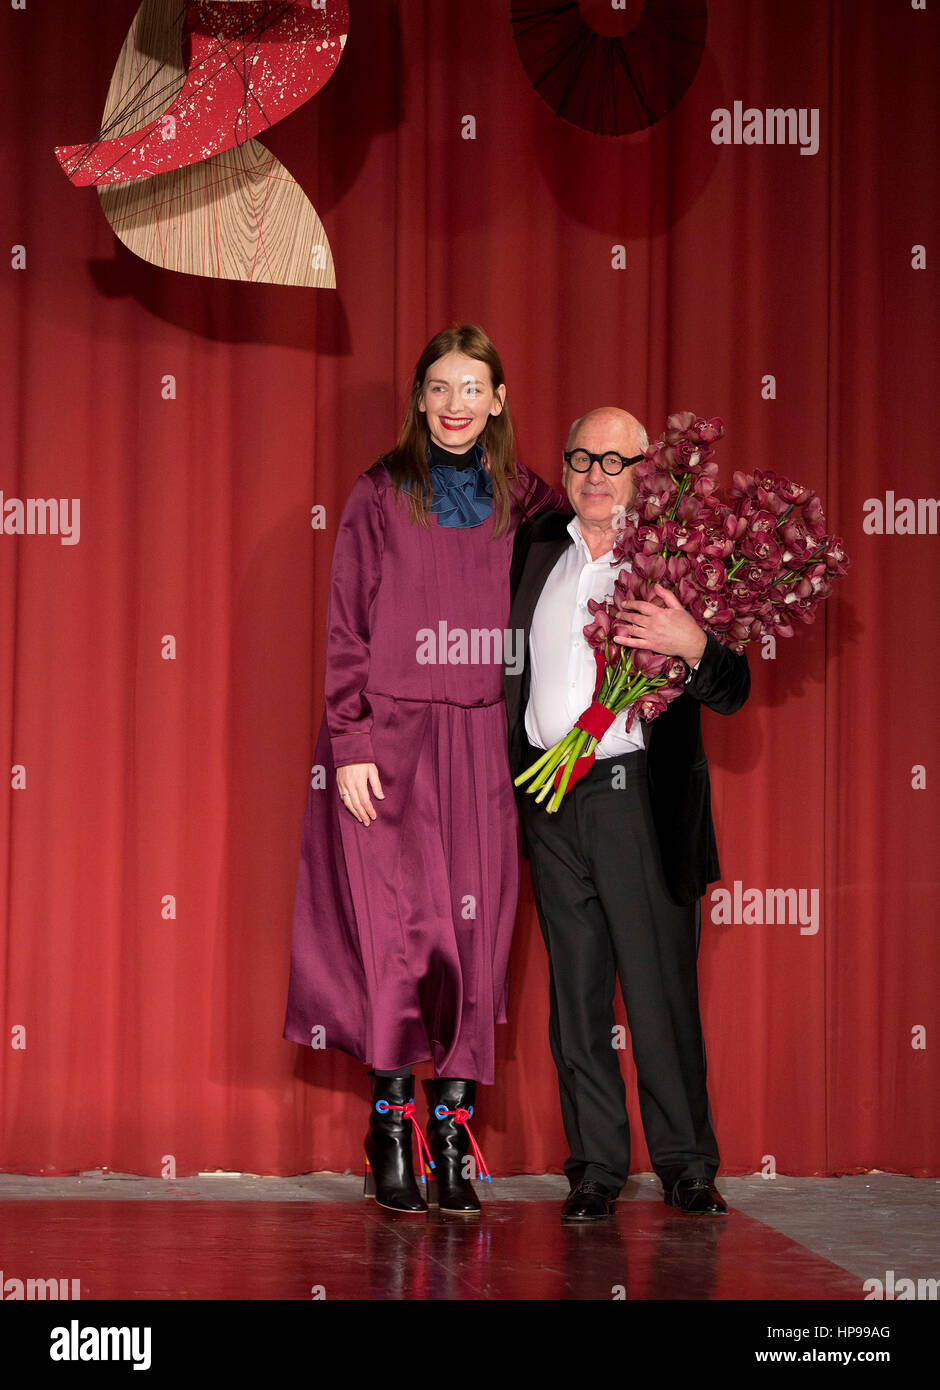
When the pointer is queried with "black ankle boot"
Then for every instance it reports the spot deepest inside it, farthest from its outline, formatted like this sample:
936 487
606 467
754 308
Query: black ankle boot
450 1106
390 1177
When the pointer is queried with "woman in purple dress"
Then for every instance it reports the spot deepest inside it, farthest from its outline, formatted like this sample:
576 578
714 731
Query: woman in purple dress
408 879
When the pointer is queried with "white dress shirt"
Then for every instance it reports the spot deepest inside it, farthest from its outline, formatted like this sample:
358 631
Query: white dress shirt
563 670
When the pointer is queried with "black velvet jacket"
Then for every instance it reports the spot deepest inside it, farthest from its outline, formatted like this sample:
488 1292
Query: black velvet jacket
677 768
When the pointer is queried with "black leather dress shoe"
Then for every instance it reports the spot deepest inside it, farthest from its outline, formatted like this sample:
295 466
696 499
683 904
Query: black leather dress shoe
589 1201
697 1197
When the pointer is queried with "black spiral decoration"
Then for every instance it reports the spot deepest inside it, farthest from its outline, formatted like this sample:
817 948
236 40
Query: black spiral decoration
609 85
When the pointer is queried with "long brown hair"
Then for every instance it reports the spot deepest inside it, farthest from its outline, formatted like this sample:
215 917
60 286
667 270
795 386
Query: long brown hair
407 463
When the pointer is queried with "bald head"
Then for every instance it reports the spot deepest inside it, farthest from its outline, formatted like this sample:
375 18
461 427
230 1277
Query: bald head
606 423
600 498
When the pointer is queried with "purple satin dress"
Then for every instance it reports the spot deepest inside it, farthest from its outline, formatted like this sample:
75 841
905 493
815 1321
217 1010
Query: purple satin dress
402 928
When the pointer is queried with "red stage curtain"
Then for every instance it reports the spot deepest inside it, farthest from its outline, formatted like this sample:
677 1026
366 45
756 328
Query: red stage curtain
153 1043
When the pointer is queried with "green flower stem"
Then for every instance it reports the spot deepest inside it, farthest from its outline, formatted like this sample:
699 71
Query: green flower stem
531 771
616 685
548 785
795 574
607 679
542 783
685 480
640 686
556 754
555 802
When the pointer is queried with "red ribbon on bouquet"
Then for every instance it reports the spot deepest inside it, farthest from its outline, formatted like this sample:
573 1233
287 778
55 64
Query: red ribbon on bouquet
595 720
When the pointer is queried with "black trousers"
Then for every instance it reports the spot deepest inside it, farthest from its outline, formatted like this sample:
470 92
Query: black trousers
605 912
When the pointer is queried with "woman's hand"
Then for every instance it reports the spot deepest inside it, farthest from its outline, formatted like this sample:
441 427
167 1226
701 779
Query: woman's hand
354 781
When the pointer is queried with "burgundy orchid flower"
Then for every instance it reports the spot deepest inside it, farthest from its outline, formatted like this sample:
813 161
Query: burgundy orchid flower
835 557
677 566
597 633
756 576
677 426
812 510
795 493
764 548
708 431
709 574
681 537
735 526
716 547
761 520
705 482
649 663
652 568
714 612
649 706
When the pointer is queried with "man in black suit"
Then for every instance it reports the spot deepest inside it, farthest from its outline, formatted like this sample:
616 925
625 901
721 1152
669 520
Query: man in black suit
619 869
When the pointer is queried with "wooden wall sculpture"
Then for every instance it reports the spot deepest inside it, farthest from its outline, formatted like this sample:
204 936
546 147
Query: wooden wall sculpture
181 178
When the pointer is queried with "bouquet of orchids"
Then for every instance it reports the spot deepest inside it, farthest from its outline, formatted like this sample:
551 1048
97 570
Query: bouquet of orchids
744 563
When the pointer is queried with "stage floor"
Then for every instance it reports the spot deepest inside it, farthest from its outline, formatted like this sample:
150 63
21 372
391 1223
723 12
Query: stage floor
240 1237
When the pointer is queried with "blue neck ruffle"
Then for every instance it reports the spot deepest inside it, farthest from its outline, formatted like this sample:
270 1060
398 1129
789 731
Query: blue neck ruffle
462 496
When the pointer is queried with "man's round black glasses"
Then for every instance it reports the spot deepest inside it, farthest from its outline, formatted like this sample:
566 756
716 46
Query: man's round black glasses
581 461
